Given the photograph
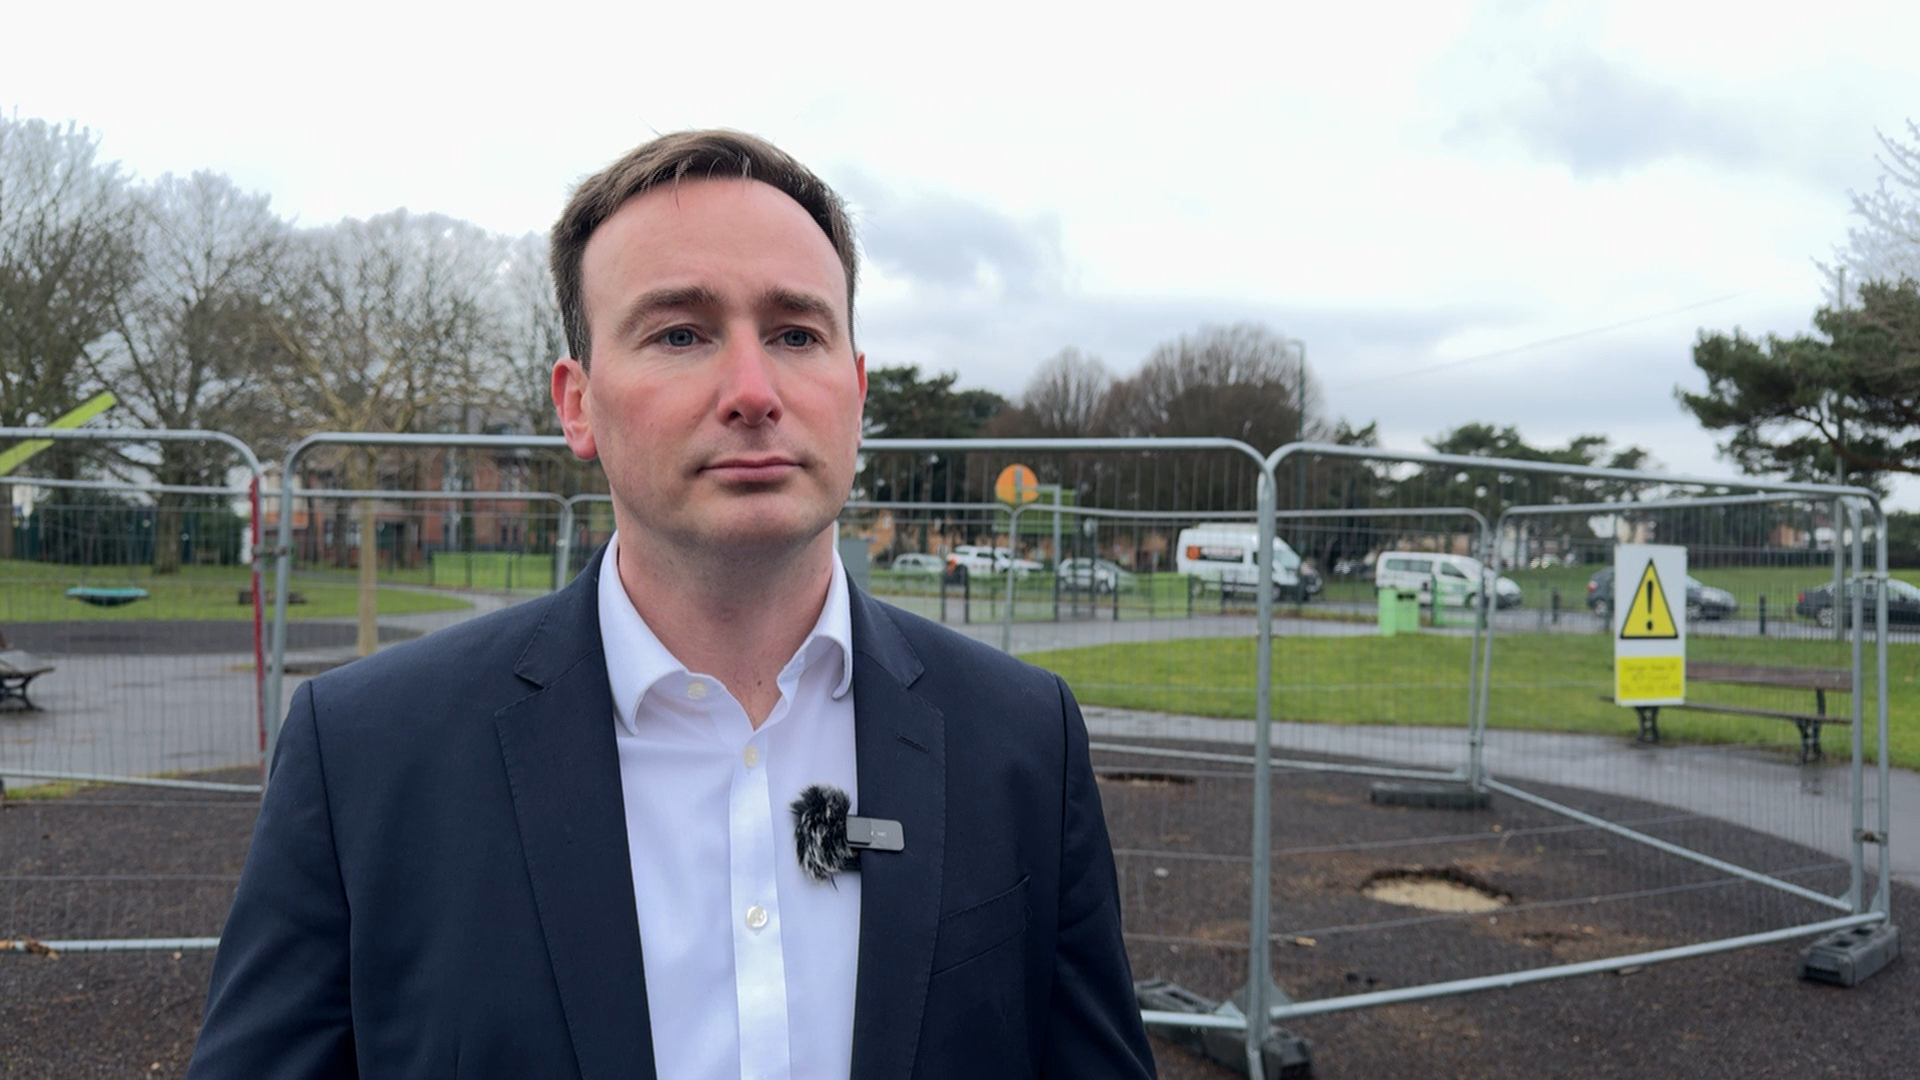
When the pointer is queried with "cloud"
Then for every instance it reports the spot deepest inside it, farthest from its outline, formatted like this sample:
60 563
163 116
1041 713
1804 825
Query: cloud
948 244
997 342
1598 118
957 285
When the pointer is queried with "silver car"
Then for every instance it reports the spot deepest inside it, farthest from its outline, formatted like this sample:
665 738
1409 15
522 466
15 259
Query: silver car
1101 575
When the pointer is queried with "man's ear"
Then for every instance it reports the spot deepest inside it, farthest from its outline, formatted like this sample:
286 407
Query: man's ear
860 371
570 402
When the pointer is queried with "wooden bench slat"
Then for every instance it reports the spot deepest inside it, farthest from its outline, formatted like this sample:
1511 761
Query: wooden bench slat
1743 710
1818 680
21 662
1788 678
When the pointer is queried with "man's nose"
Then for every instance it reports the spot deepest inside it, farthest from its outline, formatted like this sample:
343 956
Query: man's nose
748 394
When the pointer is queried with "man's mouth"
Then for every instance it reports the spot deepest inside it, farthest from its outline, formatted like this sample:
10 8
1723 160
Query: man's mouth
753 469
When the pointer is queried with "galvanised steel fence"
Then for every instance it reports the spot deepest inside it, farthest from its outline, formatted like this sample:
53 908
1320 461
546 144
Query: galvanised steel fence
1484 695
1726 850
139 606
133 637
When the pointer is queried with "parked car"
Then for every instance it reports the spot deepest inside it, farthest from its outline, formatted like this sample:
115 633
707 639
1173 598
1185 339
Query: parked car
1903 604
1703 601
1103 576
1507 593
969 559
978 559
1021 567
915 563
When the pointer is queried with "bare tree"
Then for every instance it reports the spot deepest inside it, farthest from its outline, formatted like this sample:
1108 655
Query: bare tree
192 336
65 256
1238 382
533 336
1885 246
390 324
1064 398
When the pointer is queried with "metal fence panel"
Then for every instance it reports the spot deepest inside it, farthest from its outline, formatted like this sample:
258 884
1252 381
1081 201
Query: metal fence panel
1597 854
1245 728
131 610
137 604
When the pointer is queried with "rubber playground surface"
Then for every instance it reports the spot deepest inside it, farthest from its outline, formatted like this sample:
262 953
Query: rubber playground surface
1179 831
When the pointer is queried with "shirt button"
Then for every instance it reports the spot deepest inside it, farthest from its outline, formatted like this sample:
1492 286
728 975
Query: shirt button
696 690
756 917
751 756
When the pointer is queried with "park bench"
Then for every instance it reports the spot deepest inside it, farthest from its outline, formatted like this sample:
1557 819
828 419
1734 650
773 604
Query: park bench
1818 680
18 668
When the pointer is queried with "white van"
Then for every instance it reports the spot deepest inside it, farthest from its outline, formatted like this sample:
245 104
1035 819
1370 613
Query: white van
1414 571
1224 555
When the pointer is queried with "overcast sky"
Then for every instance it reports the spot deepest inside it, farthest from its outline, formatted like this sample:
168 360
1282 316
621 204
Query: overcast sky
1574 189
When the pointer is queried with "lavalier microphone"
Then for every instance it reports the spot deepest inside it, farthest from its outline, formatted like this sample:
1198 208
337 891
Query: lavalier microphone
828 840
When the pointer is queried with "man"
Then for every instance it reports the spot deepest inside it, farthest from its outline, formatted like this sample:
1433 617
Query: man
555 842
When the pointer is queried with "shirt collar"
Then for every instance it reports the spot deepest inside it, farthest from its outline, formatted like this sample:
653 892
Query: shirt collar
636 660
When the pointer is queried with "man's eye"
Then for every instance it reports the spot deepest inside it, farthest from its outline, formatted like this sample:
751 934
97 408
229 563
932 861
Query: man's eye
679 337
797 339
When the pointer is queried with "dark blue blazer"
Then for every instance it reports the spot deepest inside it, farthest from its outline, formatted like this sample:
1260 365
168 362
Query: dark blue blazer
439 884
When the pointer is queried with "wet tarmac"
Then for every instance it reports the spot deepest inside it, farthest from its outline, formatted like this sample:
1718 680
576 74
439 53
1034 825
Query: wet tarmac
181 637
1805 804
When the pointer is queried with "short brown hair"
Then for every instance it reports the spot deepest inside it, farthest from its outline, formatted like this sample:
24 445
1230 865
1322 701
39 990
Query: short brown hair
669 159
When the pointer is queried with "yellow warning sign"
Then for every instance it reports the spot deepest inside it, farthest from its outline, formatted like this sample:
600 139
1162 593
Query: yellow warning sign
1650 615
1638 678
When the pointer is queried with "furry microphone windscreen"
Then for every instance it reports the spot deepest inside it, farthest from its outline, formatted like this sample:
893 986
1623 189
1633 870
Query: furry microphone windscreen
820 832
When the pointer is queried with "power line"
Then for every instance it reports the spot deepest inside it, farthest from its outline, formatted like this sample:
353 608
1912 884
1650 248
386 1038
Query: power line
1543 342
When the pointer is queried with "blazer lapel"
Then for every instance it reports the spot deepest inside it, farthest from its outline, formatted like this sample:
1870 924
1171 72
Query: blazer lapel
564 772
900 748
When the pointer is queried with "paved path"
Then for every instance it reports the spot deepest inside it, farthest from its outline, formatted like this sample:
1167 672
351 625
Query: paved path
303 663
1806 804
147 709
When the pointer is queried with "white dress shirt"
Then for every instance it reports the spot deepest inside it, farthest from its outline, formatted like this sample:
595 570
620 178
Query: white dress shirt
750 965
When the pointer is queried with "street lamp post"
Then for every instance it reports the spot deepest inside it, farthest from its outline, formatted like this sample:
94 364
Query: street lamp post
1300 460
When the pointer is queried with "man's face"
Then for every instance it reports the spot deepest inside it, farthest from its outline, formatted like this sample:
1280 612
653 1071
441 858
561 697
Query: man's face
724 396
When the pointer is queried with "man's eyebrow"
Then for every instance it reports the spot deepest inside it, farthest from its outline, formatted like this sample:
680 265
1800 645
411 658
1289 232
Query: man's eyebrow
674 299
800 303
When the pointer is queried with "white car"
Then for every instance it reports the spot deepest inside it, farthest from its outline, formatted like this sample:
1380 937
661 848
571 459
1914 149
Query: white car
1507 593
1102 575
1021 567
977 559
972 559
915 563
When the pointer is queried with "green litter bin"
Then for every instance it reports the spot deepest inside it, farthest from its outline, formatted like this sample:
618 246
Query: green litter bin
1399 611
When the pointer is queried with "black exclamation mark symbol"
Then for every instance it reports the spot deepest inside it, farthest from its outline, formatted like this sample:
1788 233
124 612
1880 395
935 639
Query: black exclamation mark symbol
1649 605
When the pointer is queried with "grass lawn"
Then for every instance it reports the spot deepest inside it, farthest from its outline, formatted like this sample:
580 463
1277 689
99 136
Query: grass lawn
1145 596
488 571
1541 682
36 592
